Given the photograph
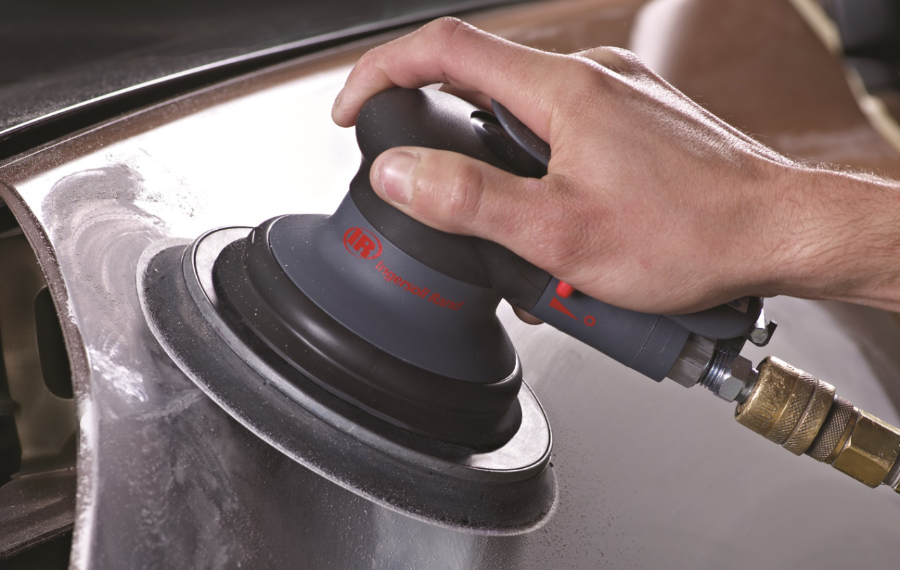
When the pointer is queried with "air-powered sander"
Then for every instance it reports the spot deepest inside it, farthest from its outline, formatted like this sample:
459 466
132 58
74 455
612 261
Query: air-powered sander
366 345
407 312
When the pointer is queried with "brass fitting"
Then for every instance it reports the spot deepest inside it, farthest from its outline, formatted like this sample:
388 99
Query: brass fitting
870 451
787 406
802 414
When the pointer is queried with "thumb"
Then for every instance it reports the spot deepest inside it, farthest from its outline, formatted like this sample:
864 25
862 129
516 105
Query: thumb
457 194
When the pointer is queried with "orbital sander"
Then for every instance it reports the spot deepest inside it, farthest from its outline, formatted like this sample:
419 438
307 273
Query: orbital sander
399 318
366 346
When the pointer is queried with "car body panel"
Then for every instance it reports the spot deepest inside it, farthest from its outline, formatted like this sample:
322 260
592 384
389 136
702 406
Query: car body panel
124 55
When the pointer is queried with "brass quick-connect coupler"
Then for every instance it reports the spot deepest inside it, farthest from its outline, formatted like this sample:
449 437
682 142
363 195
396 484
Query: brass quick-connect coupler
802 414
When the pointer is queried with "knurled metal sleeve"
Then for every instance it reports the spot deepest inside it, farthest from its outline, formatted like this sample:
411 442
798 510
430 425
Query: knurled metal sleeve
814 416
832 431
787 406
793 411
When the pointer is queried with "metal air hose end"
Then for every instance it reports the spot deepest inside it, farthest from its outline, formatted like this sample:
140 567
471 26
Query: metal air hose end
802 414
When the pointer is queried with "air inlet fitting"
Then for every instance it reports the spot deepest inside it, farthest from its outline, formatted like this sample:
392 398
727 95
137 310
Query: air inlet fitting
802 414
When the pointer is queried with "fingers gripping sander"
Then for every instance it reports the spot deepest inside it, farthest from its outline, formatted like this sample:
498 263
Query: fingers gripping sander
399 318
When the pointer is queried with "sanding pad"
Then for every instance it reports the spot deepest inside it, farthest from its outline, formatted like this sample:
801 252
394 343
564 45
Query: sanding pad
507 490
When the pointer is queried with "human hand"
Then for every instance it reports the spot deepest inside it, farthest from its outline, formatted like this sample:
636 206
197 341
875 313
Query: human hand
650 202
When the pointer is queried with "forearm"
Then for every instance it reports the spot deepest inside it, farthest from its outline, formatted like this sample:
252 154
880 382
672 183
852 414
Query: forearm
839 238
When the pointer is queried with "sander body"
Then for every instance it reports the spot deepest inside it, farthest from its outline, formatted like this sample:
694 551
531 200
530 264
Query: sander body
417 304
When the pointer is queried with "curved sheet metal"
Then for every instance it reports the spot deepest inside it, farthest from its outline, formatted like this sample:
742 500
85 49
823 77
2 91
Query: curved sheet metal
79 64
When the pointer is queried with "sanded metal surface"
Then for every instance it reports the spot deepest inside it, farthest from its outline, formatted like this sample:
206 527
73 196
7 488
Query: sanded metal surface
649 475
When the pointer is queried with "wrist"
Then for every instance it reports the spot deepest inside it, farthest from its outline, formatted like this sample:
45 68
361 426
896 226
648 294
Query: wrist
838 237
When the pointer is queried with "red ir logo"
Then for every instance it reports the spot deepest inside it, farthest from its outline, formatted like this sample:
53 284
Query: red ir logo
362 243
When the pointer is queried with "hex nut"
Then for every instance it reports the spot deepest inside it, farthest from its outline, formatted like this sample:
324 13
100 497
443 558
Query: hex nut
759 335
762 330
870 451
735 379
730 388
693 361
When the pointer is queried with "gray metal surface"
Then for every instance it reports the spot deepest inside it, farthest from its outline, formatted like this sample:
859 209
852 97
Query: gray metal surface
650 475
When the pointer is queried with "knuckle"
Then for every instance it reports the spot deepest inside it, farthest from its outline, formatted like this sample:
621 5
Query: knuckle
452 34
582 79
616 59
560 251
584 69
626 61
458 195
593 86
446 28
368 65
562 232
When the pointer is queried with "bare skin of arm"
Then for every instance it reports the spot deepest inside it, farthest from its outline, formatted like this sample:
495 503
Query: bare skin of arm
650 203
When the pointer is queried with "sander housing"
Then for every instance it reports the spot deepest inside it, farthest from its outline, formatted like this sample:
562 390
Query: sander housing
399 318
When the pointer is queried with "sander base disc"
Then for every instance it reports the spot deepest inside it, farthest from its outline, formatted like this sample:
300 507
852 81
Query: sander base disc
509 490
288 288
